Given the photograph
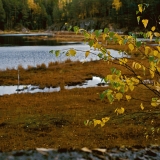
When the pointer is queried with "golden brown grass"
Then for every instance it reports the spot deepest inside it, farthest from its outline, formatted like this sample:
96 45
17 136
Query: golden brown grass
56 120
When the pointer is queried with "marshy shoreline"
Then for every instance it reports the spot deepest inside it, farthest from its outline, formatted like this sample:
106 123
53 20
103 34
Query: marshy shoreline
56 120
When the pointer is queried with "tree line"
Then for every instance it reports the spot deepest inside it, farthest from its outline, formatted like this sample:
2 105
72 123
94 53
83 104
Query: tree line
40 14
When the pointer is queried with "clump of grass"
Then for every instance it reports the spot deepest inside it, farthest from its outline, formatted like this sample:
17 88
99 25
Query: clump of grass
20 67
41 66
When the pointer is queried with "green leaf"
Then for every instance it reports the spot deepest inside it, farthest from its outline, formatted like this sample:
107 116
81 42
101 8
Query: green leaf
144 35
130 33
151 58
157 40
86 35
138 19
106 30
147 5
56 52
125 41
113 70
70 27
154 99
90 43
100 55
118 72
111 34
138 44
102 95
98 33
137 12
86 122
141 33
51 51
76 29
110 98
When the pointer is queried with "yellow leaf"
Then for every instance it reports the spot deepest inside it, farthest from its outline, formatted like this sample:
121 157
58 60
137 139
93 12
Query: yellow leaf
158 47
108 52
102 124
157 88
147 50
144 69
153 28
145 22
120 42
142 106
147 136
149 34
135 80
128 97
131 87
158 69
155 53
99 46
119 96
137 66
157 34
106 119
140 8
151 73
72 52
95 45
133 64
126 88
87 53
120 110
140 76
154 104
151 37
123 61
104 37
92 36
116 4
131 47
96 122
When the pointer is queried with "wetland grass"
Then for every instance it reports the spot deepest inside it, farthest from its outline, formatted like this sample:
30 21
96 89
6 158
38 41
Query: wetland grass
56 120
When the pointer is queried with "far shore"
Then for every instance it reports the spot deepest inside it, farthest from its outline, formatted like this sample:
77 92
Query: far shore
70 36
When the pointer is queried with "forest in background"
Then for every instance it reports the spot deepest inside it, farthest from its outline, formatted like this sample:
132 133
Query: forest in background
41 14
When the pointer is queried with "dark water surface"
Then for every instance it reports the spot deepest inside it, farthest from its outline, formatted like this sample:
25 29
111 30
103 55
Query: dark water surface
23 40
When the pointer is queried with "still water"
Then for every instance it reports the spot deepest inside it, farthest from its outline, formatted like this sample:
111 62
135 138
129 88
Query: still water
95 81
19 50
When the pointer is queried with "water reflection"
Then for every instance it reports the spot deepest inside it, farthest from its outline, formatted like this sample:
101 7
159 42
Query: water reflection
95 81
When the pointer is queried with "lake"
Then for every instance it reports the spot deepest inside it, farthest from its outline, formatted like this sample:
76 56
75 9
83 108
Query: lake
18 49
